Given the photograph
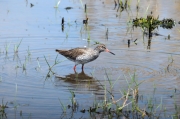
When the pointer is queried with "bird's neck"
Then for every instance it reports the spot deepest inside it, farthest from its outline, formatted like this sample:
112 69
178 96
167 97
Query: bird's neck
97 50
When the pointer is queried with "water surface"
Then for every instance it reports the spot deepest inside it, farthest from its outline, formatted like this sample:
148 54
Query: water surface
154 61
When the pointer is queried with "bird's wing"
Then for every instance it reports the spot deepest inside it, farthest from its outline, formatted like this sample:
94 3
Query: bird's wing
72 53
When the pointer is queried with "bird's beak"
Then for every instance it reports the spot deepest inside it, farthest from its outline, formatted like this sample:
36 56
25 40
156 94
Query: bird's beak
109 51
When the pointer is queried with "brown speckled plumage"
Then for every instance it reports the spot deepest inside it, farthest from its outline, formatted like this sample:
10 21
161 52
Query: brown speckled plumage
83 55
72 53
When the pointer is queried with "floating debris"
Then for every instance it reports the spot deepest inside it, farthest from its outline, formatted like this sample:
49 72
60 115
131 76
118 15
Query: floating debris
169 36
85 8
32 5
62 22
83 110
107 34
85 21
135 41
68 8
128 42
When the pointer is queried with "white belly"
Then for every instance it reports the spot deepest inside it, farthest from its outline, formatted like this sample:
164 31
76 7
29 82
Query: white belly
88 57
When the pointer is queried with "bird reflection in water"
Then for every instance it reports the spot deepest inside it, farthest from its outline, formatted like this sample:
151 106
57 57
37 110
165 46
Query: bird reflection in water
79 80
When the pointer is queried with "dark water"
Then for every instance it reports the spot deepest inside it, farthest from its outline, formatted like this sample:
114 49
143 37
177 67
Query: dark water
39 28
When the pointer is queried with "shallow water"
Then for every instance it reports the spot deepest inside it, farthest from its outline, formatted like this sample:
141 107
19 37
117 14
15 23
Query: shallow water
39 27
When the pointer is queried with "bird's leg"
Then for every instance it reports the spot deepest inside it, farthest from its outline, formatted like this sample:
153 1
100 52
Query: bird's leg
74 68
75 72
82 67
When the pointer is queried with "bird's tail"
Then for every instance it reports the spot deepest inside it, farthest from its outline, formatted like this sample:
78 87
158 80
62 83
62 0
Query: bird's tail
57 50
60 51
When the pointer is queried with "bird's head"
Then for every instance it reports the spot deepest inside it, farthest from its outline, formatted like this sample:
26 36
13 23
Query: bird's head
102 48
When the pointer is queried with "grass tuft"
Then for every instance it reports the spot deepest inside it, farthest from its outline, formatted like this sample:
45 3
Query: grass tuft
16 47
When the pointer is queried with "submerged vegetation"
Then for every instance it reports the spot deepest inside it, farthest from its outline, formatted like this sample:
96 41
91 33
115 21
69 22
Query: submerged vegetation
128 105
2 109
16 47
150 23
